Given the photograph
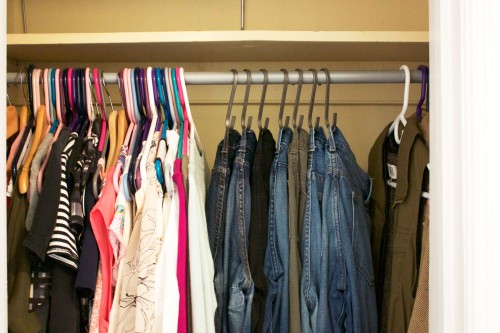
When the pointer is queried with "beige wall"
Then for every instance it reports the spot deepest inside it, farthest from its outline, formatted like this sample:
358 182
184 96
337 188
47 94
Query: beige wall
193 15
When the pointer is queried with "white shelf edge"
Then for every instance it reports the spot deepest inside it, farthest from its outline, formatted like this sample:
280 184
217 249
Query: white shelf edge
218 36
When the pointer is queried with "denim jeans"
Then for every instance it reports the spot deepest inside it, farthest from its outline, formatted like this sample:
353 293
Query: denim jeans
264 156
314 301
238 282
276 262
351 286
216 207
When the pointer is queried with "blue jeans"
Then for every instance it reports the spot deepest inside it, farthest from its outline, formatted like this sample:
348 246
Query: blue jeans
277 259
216 207
315 316
351 285
238 284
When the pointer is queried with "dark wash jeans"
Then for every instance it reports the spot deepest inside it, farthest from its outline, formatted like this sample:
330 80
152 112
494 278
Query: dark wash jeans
276 262
216 207
314 300
238 284
264 154
351 286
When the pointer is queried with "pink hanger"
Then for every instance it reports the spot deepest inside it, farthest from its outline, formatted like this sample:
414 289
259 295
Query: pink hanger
186 117
46 84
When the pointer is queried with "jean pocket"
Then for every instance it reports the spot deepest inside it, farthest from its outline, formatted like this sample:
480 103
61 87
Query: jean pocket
236 298
361 238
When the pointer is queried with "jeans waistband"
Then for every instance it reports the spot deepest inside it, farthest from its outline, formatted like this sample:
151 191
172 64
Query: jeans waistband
286 138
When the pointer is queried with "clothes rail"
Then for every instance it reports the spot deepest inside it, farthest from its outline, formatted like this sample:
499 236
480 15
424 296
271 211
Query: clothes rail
275 77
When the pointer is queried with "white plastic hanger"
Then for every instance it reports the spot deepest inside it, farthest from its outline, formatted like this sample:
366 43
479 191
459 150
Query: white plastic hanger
193 132
401 117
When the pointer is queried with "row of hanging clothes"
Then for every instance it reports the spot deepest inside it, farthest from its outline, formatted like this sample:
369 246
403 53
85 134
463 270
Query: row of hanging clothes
116 224
98 207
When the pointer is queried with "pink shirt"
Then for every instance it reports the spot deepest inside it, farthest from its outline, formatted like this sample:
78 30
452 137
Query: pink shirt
182 249
100 219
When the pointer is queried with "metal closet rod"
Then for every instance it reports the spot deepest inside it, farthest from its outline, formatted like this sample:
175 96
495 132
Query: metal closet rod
275 77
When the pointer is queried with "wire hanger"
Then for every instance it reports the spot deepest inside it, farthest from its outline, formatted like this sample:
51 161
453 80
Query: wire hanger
262 102
394 128
331 127
246 125
311 102
297 100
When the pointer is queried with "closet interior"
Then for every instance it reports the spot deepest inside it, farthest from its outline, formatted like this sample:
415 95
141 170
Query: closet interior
364 48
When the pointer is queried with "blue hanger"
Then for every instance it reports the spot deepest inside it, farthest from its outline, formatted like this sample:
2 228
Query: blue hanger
179 112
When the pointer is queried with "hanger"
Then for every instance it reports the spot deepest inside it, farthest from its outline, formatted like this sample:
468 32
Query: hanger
230 121
246 125
331 127
187 122
25 139
46 91
40 129
311 102
23 121
12 119
56 78
179 112
167 81
297 100
423 91
262 101
394 128
112 124
283 100
188 113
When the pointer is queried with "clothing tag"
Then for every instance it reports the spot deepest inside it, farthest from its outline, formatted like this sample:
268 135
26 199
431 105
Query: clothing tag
393 171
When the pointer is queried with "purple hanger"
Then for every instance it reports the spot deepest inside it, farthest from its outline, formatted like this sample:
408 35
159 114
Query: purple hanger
423 92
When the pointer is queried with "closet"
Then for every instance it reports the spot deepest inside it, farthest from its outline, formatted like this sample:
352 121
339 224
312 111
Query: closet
356 40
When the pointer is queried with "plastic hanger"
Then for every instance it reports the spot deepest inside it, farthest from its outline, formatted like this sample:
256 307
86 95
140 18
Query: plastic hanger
40 129
46 91
179 112
25 139
331 127
311 101
246 125
262 102
187 122
23 121
394 128
423 91
297 101
167 81
112 124
56 79
12 119
188 112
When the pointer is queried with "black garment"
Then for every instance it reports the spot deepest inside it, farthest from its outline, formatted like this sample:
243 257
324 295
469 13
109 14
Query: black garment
260 172
64 307
18 269
45 218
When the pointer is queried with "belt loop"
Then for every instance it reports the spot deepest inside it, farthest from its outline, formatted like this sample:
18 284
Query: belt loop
312 145
331 140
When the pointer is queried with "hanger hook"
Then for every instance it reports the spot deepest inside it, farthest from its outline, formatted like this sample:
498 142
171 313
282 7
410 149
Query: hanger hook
245 102
8 99
230 121
311 102
283 99
297 100
20 74
262 100
327 101
106 90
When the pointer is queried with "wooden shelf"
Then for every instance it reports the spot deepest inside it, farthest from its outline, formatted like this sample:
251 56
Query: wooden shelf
214 46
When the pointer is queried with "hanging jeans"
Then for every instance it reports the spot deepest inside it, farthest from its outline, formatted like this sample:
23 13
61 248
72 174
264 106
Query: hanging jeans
315 316
276 262
216 215
238 282
216 207
351 287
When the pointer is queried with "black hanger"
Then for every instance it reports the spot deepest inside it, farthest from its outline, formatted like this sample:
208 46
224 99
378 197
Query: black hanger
262 100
